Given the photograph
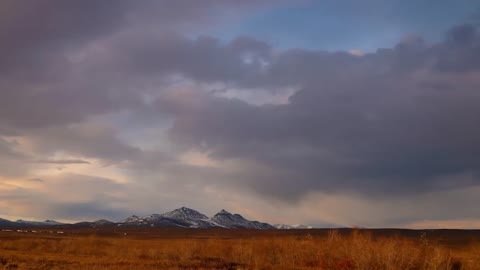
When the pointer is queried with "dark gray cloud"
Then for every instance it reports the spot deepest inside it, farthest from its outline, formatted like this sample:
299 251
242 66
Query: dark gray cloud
13 163
49 71
203 59
92 141
460 53
389 122
54 24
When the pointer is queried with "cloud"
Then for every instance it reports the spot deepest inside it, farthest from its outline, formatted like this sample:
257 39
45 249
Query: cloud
35 180
183 115
63 161
13 161
65 196
86 140
386 123
50 53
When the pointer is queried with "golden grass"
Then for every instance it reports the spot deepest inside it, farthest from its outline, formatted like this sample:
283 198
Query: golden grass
356 250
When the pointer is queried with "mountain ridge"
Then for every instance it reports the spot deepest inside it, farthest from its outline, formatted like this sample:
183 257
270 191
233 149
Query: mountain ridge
182 217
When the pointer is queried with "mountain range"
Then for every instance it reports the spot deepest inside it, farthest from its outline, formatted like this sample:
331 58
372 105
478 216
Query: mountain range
181 218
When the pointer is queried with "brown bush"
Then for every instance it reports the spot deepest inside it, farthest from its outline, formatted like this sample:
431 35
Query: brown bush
353 251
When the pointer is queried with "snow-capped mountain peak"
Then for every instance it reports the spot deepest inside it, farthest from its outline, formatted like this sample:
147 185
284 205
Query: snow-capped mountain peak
185 213
223 212
182 217
131 219
228 220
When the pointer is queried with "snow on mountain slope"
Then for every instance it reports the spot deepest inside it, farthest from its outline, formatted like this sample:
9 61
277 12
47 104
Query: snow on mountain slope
131 219
154 220
193 217
228 220
103 222
47 222
181 218
185 213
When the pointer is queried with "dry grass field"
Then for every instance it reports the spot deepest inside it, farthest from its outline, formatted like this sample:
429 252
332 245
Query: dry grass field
240 249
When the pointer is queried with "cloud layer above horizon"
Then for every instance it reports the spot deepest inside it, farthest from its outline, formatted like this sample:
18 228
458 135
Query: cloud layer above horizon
112 108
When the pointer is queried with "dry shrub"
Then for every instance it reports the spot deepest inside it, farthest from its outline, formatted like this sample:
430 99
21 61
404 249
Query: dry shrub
355 251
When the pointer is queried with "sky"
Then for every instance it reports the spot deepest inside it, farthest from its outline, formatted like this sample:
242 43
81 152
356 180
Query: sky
327 113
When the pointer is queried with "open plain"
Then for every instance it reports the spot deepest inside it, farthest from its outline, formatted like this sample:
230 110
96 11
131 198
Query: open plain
345 249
